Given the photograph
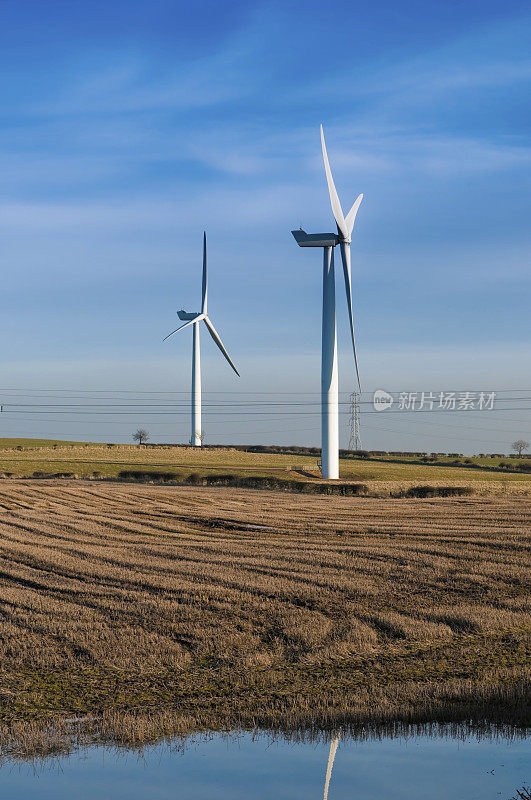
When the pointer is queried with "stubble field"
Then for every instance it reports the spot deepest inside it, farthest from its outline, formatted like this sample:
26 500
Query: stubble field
230 605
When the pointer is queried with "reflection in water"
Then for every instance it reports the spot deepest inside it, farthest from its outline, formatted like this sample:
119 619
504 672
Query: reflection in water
333 747
259 766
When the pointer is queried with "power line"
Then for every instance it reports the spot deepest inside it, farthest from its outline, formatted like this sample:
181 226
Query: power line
263 412
76 392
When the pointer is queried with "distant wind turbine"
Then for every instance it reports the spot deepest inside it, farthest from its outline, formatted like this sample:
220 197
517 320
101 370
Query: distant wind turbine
194 319
329 370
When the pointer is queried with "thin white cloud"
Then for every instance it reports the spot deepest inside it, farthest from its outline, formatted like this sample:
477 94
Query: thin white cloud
125 81
488 57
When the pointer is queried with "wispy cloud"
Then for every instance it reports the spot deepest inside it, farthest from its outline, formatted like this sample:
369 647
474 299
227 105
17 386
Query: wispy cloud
124 80
486 57
110 176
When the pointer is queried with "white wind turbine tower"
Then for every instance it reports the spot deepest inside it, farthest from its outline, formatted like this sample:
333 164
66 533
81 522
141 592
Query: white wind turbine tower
194 319
329 371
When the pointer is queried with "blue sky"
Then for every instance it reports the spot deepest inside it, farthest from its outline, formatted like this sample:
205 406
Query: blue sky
127 128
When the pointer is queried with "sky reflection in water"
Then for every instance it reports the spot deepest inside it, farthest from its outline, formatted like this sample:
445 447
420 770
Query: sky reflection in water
243 766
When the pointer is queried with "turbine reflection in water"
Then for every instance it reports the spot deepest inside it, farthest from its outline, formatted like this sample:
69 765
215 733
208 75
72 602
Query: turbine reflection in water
400 766
333 747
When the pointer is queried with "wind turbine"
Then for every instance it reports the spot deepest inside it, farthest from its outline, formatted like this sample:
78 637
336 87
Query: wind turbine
194 319
329 370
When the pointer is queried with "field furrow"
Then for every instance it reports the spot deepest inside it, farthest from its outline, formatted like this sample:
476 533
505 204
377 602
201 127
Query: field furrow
146 581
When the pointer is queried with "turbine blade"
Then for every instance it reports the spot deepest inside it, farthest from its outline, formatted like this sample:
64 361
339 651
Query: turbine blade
212 331
345 258
334 199
180 328
205 282
351 216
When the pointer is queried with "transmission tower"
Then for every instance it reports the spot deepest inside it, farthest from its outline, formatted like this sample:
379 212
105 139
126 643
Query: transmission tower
355 438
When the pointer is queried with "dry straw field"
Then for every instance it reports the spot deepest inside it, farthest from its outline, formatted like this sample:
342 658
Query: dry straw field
235 606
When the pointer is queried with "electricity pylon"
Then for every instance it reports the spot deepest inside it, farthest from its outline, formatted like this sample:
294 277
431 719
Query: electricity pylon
355 438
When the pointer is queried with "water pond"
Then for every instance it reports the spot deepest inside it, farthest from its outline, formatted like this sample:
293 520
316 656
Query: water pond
262 767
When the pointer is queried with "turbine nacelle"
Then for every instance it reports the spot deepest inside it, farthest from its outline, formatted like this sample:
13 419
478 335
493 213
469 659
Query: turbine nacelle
304 239
186 315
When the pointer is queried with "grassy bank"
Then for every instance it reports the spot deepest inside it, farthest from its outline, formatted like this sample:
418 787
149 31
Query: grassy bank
494 463
229 605
108 461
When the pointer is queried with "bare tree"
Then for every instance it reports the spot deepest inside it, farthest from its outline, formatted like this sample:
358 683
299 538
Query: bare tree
141 435
520 445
